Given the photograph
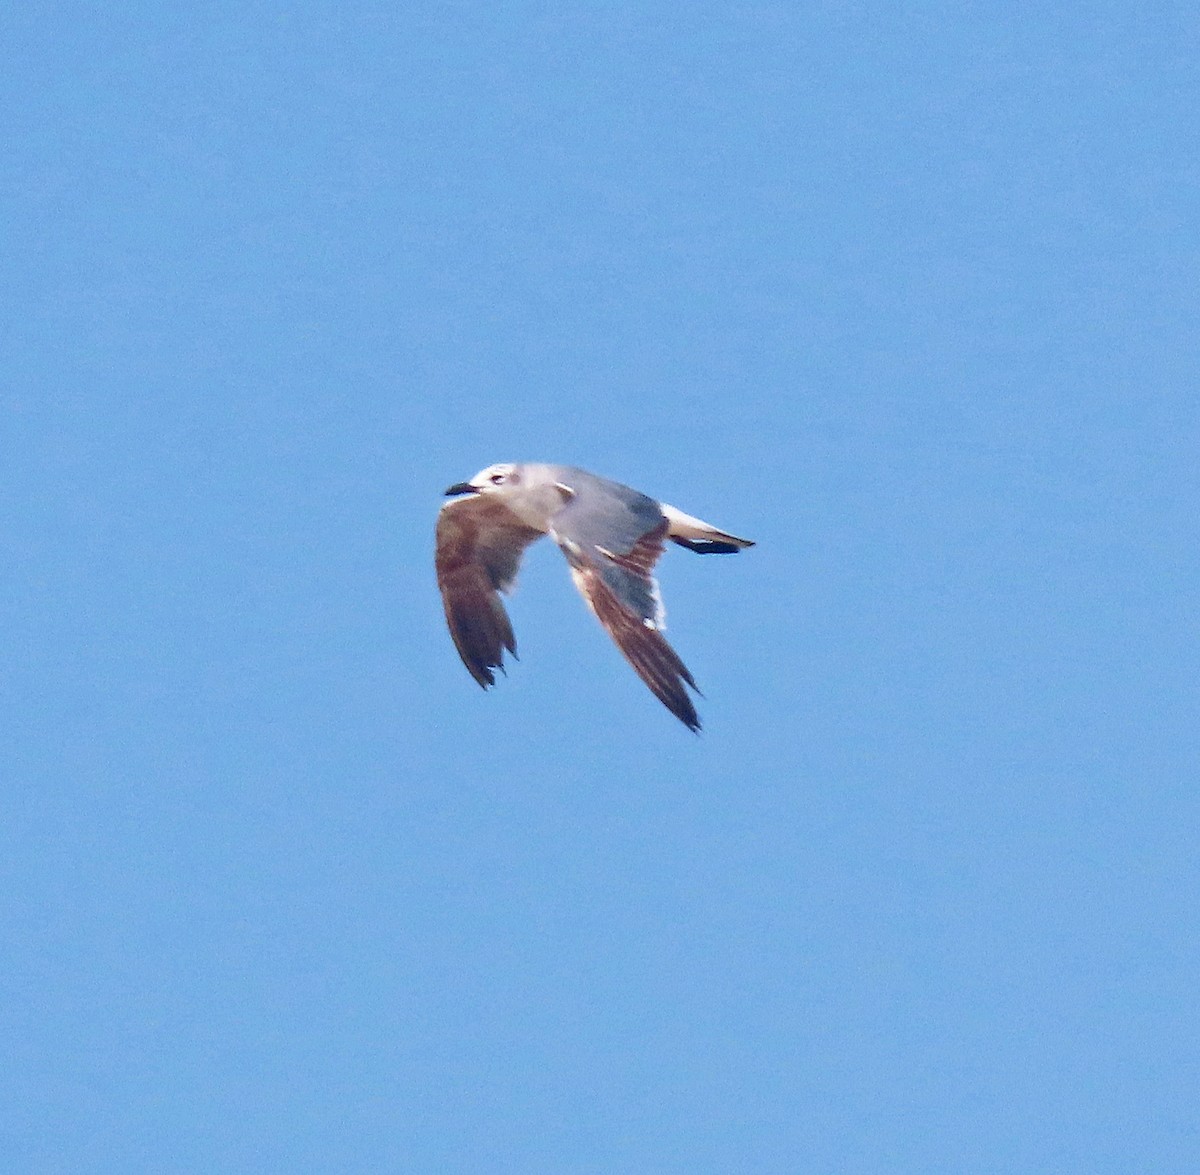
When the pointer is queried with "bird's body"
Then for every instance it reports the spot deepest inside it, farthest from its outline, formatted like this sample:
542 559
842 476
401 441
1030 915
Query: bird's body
611 536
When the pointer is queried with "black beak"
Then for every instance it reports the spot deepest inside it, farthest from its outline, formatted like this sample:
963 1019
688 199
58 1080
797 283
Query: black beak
461 487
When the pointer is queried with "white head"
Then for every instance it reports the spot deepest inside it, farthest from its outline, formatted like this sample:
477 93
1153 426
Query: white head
502 476
528 491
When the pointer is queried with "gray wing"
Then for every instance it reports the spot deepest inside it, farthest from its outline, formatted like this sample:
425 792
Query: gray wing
479 548
612 542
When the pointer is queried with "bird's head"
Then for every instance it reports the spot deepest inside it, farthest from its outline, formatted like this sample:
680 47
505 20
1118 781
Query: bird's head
490 480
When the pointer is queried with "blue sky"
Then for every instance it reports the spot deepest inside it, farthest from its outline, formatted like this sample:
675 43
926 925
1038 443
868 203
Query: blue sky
908 294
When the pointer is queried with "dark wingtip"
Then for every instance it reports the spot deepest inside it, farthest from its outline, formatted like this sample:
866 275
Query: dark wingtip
710 546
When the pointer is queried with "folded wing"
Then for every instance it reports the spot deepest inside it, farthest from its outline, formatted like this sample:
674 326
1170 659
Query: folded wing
479 547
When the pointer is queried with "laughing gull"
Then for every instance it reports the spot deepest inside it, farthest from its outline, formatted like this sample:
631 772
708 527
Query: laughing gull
611 535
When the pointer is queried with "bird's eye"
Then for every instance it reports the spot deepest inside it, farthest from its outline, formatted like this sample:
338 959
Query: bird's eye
496 478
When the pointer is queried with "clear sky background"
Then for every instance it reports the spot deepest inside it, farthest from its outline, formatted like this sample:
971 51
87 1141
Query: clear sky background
906 293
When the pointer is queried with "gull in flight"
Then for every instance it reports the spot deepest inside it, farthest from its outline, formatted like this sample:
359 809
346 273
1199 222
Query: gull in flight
611 535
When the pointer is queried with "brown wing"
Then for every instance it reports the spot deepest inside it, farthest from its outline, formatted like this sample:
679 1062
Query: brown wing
621 591
479 547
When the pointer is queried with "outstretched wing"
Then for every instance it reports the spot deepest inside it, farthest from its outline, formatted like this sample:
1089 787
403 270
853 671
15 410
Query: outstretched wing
479 547
620 588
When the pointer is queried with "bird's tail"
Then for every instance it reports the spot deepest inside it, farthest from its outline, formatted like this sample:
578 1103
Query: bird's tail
700 536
